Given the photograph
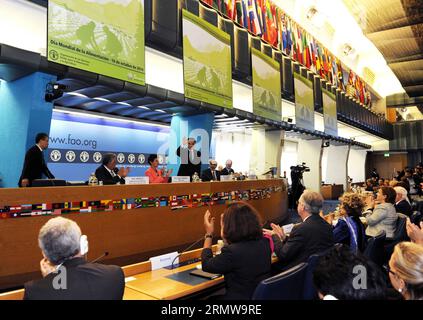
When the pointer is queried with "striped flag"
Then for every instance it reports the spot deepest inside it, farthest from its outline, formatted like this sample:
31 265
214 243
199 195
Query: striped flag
230 9
246 20
254 21
239 17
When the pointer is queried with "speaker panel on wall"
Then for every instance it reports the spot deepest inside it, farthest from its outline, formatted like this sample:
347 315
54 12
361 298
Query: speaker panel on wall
277 56
227 26
164 24
318 100
266 49
208 14
288 78
241 53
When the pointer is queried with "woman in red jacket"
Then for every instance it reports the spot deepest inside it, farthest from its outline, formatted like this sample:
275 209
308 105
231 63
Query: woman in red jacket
155 175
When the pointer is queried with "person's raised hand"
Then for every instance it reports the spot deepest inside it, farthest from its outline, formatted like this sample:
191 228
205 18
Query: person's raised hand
208 222
46 267
278 231
414 232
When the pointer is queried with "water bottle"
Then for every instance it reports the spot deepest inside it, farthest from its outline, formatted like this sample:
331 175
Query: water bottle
93 181
195 177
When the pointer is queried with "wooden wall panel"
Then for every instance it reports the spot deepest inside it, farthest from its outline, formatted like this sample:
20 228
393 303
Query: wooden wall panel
129 236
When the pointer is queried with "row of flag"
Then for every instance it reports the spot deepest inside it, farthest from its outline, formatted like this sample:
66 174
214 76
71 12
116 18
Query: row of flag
263 18
174 202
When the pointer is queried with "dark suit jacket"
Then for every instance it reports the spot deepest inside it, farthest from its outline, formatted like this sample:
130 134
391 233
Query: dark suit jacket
34 166
404 207
309 237
84 281
226 172
244 265
187 168
206 175
103 175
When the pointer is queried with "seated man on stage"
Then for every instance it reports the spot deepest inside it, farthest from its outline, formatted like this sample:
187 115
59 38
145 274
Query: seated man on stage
211 174
155 175
228 168
66 273
109 173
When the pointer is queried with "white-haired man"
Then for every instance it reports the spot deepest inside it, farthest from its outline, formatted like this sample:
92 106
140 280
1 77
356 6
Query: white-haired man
227 170
314 235
66 273
401 202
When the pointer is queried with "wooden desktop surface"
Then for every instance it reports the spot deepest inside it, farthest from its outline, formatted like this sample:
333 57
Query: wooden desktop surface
128 235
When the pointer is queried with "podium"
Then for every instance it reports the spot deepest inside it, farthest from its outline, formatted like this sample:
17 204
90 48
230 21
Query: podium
332 191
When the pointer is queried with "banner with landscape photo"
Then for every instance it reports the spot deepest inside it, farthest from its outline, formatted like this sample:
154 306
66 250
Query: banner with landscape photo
207 62
100 36
304 102
266 86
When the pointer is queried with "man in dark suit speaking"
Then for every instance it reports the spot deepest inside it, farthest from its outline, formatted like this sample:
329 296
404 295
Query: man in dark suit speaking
109 173
190 158
66 273
34 165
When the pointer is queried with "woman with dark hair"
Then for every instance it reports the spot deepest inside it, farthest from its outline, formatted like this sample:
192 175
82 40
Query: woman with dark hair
245 260
382 216
349 229
155 175
336 273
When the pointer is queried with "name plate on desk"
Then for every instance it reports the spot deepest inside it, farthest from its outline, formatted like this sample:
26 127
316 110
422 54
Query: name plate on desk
225 178
180 179
164 260
136 180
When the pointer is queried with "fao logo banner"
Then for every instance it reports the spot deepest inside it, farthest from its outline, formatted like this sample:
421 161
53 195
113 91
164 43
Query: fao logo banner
70 156
55 155
97 157
141 158
131 158
84 156
121 158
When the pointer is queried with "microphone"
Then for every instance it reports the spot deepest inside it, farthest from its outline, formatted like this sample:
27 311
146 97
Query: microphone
105 254
185 250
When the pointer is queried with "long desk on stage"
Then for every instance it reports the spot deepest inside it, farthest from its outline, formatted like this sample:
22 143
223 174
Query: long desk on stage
131 222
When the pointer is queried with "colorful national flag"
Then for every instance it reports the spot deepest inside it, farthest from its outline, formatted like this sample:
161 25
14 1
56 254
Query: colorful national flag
254 21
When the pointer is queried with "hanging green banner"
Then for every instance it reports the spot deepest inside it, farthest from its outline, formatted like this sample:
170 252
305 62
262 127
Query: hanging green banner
304 102
329 112
100 36
207 62
266 86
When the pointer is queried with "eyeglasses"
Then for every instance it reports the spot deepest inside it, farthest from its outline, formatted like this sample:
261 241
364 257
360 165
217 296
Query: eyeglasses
388 270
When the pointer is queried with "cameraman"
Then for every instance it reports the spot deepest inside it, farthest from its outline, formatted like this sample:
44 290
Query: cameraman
297 185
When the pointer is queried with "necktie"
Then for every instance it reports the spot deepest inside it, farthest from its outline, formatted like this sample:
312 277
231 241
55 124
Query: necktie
214 175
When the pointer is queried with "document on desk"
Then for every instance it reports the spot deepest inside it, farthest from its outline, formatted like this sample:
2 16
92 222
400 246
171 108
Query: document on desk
164 260
128 279
287 228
